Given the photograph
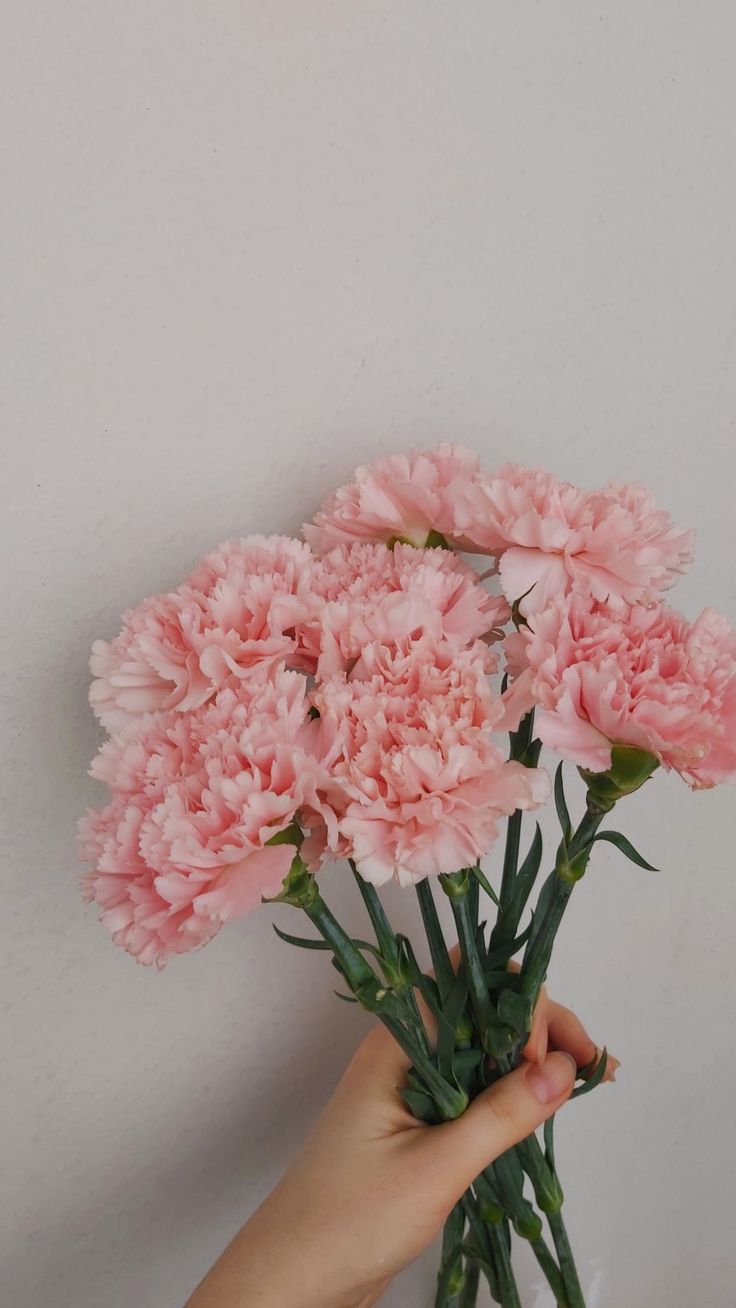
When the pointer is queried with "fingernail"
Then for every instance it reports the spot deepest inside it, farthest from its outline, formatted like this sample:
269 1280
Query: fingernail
552 1078
612 1066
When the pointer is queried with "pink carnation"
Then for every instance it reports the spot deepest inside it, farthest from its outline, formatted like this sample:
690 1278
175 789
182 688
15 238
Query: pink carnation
148 754
398 497
184 844
123 887
641 676
241 608
422 784
552 537
373 593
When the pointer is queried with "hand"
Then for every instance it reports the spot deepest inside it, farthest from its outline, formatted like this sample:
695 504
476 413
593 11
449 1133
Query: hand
373 1187
557 1027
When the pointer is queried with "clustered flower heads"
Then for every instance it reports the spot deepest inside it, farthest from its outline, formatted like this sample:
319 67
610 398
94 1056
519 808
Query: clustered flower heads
336 695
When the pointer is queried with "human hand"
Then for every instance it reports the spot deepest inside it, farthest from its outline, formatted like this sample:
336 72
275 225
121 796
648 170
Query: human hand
372 1186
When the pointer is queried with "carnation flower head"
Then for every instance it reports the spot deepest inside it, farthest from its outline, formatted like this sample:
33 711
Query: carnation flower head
242 607
640 676
185 843
405 497
421 783
552 538
375 593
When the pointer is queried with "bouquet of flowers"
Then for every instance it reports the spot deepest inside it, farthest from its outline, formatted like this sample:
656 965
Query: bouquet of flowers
347 697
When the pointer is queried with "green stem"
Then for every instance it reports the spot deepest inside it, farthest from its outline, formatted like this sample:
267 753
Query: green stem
550 1270
384 1002
386 938
546 1186
450 1101
527 1222
510 858
469 1292
539 950
573 1290
499 1238
450 1277
385 935
571 865
456 887
481 1235
439 953
548 1193
358 973
520 741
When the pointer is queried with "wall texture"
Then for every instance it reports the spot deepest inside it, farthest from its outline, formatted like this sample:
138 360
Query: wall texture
247 245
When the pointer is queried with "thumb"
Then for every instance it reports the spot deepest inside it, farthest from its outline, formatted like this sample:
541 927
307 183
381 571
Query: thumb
505 1113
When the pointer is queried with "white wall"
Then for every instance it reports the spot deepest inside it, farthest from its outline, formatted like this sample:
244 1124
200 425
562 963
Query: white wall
249 244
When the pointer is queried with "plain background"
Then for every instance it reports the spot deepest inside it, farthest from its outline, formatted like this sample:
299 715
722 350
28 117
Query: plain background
247 246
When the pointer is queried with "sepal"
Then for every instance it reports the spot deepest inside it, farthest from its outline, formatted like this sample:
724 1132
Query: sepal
630 768
299 887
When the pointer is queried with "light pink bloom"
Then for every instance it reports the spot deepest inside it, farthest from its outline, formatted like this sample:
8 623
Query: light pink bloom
148 754
373 593
551 537
123 886
240 609
423 786
399 496
184 844
150 665
640 676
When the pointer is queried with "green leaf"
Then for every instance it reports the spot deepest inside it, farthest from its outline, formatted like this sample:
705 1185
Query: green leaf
515 1011
500 978
546 895
457 998
443 969
385 934
498 957
447 1022
421 1105
561 804
549 1142
466 1060
527 874
591 1081
300 941
449 1280
626 847
482 880
426 985
445 1047
347 999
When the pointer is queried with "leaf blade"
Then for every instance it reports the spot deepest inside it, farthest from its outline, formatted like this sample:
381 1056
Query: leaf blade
626 848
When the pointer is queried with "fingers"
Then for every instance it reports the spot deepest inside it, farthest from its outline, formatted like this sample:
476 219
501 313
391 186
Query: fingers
500 1117
379 1058
567 1032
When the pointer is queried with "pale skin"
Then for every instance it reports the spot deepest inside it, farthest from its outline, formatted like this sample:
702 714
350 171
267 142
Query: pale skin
372 1187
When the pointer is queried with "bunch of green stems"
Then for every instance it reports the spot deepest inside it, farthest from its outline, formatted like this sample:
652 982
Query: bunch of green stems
466 1023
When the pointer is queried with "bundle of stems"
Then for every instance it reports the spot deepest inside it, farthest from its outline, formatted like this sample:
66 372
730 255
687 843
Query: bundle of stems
464 1024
